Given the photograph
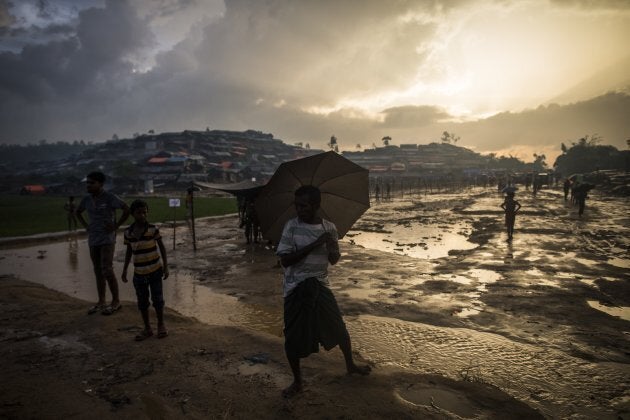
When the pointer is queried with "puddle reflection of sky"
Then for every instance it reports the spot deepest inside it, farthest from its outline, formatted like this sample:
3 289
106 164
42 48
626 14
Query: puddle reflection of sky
66 267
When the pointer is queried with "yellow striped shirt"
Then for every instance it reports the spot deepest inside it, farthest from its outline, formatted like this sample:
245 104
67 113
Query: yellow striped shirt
146 258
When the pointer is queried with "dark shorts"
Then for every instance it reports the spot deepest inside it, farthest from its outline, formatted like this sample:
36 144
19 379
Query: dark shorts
149 285
103 261
311 318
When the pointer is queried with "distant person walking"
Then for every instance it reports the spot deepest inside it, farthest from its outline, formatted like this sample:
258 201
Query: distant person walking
143 241
511 207
70 208
580 196
311 315
566 187
101 208
252 224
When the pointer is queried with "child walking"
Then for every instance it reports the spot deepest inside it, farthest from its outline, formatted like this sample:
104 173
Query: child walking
143 240
510 206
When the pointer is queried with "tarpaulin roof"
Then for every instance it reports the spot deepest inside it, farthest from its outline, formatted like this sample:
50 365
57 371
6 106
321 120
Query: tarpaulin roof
246 188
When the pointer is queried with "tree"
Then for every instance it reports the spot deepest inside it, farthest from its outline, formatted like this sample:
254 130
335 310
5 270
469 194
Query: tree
386 140
449 138
594 140
358 146
539 163
586 155
307 146
333 144
115 137
563 147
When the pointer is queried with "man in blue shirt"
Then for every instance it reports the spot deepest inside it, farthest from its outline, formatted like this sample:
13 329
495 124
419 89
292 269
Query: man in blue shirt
101 208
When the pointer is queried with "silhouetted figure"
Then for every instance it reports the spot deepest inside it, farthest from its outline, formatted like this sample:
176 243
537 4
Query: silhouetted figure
101 208
252 224
510 206
143 241
580 195
566 187
70 209
528 181
311 314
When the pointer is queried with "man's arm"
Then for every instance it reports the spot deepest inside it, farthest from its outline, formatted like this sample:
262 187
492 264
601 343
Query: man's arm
126 266
295 257
123 216
164 260
333 251
80 218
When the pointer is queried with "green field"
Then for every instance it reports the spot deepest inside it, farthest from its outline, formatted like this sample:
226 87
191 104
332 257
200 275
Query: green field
29 215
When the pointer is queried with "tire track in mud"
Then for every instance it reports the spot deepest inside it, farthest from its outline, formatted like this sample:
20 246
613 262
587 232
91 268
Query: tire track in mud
551 381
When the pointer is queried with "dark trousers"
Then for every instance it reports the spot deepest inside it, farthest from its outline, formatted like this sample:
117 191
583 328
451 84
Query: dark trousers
103 261
149 285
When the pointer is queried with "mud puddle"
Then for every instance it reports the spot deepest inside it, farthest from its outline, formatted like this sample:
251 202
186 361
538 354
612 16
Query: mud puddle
559 385
66 267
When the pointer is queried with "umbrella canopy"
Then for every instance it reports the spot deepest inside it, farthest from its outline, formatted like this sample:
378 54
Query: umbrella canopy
343 184
509 189
583 186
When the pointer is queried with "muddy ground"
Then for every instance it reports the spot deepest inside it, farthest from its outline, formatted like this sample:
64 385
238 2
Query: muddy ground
455 320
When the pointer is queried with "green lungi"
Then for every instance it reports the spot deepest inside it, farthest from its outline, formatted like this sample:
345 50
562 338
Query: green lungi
311 318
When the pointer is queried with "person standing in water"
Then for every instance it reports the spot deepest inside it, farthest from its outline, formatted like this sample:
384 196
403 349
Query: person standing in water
510 206
70 208
311 315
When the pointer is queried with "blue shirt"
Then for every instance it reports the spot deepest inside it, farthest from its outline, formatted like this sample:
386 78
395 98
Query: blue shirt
101 211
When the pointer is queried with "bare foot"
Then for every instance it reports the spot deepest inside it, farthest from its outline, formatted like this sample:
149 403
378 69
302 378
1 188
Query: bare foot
361 370
292 390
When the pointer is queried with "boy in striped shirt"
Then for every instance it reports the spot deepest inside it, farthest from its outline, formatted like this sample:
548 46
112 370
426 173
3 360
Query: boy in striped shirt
143 240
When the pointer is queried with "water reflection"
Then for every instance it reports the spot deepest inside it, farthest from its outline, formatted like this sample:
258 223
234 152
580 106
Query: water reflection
66 267
73 253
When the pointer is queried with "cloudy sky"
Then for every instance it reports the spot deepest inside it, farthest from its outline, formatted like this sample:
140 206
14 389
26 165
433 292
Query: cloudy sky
507 76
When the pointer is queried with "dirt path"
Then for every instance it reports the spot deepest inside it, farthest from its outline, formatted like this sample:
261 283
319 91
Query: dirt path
445 309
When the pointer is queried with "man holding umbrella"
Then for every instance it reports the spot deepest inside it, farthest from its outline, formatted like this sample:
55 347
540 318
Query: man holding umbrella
311 315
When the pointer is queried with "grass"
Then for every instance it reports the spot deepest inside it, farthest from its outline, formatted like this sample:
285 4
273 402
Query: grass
29 215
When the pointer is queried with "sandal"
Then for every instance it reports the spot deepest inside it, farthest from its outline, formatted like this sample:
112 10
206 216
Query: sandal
162 333
109 309
144 335
95 309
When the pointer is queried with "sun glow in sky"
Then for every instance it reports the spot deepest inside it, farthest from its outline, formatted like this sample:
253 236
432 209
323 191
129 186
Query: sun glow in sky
487 70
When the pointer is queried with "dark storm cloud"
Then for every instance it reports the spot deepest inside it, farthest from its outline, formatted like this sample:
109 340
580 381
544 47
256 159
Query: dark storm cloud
606 115
96 55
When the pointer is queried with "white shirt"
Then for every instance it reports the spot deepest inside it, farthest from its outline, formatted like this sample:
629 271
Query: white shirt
296 235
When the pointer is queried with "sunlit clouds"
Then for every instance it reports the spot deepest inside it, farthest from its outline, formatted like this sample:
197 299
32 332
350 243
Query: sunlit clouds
307 70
